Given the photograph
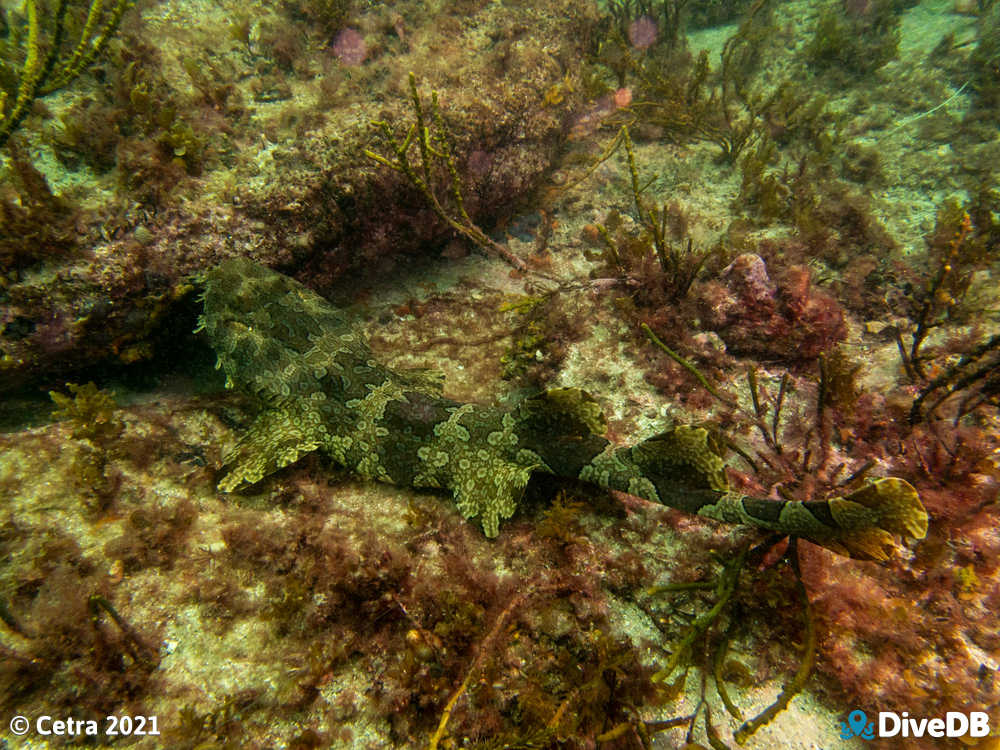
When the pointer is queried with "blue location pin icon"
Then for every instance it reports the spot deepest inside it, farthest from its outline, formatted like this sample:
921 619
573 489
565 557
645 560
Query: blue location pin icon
857 720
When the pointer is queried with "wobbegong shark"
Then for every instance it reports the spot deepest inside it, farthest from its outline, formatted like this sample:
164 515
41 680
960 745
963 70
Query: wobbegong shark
319 388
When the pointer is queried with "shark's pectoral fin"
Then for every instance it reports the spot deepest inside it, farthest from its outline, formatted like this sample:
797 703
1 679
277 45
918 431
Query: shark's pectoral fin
489 488
278 437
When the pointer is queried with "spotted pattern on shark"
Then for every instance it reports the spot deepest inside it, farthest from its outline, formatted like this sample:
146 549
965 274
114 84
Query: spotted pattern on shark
319 388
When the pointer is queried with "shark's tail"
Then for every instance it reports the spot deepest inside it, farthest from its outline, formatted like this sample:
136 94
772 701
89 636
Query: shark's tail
685 468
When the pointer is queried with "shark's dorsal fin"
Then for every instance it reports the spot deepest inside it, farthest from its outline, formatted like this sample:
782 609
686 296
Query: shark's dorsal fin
686 456
564 426
563 411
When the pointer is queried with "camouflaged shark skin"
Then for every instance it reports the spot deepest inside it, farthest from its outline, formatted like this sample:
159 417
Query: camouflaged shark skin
320 388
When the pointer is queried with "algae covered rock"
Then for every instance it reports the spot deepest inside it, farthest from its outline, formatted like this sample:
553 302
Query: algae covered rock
258 150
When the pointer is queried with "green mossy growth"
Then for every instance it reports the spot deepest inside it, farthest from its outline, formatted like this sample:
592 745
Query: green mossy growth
541 325
709 13
329 15
35 223
181 142
963 241
219 727
528 338
655 254
526 349
762 191
153 536
861 164
561 522
286 606
859 43
985 59
840 379
461 619
97 427
732 106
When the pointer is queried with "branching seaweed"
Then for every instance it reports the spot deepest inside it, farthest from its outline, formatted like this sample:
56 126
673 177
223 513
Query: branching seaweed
975 376
860 42
690 102
940 292
687 365
964 240
676 265
104 666
802 472
725 587
798 681
668 16
436 150
41 74
140 651
484 650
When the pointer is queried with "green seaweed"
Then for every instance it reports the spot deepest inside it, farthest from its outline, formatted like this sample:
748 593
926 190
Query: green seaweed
91 410
677 263
963 241
330 15
436 149
721 618
690 101
42 74
860 43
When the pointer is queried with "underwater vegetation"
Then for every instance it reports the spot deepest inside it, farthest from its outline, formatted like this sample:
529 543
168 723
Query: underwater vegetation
35 62
42 73
536 264
433 157
157 165
858 37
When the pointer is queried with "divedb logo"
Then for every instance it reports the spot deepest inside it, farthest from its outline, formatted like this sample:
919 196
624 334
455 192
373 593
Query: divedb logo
892 724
